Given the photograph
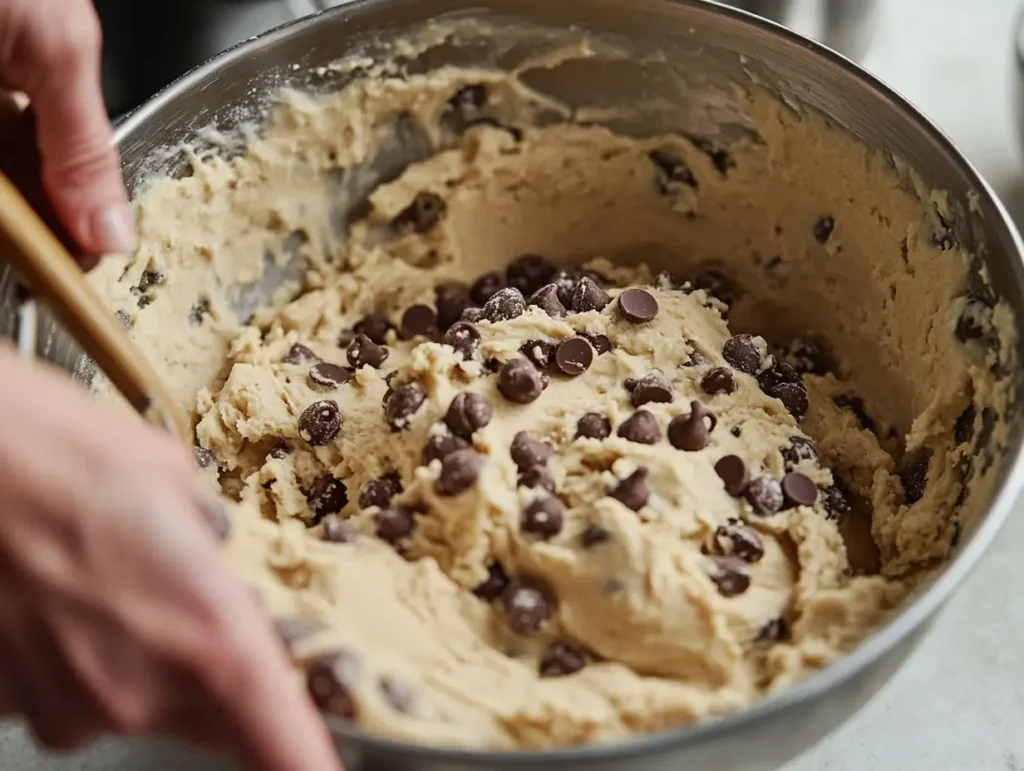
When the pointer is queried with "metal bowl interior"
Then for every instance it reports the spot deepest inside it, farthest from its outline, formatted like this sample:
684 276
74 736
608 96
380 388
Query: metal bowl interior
705 47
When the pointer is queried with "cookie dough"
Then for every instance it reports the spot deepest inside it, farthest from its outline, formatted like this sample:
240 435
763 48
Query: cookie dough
570 436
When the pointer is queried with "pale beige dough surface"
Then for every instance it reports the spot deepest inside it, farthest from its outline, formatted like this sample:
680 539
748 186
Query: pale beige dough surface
664 646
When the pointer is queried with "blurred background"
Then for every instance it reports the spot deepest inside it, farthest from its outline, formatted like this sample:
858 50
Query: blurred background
957 705
956 59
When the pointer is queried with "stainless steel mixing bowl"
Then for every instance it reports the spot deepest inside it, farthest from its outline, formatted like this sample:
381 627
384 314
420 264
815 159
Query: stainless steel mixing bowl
702 44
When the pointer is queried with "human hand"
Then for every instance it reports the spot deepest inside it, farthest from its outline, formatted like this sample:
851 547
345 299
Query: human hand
117 612
50 51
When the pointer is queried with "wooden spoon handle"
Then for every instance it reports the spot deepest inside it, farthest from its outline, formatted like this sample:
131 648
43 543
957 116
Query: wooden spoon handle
32 246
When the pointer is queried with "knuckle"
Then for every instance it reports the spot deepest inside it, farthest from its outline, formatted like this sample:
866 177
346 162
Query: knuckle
81 163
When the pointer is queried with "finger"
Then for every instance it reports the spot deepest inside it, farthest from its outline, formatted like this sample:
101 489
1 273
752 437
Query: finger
49 695
203 730
272 724
81 169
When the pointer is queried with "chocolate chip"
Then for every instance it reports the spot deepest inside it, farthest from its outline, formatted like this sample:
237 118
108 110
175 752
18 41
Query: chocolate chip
561 659
395 524
494 585
279 451
402 405
719 380
320 422
527 452
520 381
593 426
775 630
337 530
529 272
695 359
799 490
543 517
459 472
292 630
823 229
637 306
327 377
198 312
914 473
527 607
730 575
594 534
588 296
793 397
654 387
440 446
836 501
641 427
540 352
536 477
855 405
123 319
600 342
546 298
345 338
204 458
327 495
464 338
375 327
419 321
672 171
780 372
963 429
800 449
736 431
633 491
362 351
474 315
504 305
486 286
807 356
451 301
566 281
331 681
574 356
421 215
969 323
764 494
467 413
379 492
719 157
745 353
299 354
692 432
734 473
740 540
716 284
468 102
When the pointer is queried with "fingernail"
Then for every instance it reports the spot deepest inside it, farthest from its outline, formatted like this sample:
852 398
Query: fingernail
114 228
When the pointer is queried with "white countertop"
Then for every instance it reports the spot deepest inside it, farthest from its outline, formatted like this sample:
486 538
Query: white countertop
959 702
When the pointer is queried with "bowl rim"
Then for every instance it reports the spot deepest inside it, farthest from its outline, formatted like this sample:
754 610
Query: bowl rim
912 616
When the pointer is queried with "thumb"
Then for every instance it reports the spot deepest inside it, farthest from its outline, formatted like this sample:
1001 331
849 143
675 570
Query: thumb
58 66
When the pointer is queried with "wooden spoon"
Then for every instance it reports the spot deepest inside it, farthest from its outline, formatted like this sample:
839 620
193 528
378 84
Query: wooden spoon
29 241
